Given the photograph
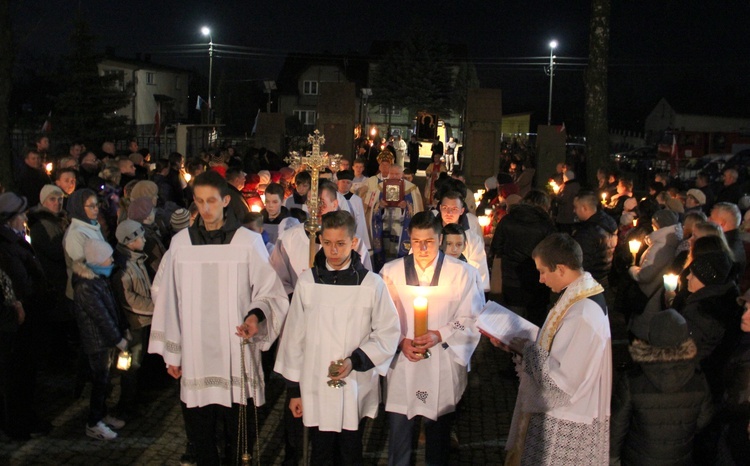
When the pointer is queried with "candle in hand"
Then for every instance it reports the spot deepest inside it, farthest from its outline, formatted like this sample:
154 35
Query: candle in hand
670 282
635 246
604 198
420 316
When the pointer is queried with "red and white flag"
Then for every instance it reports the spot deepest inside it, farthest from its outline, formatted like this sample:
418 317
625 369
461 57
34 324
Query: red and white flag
157 125
673 157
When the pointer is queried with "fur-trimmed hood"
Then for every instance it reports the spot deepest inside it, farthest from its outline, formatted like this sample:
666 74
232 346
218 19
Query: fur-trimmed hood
81 270
667 368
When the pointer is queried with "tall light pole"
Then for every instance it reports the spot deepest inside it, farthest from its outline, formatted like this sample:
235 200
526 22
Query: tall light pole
551 72
207 32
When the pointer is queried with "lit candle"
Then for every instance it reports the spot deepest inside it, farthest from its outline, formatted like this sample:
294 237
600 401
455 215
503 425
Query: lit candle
420 316
635 246
477 197
635 222
187 177
123 361
255 208
49 167
483 220
670 282
487 211
555 187
604 198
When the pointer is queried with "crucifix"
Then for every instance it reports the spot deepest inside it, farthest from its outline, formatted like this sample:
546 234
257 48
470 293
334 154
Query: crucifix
314 162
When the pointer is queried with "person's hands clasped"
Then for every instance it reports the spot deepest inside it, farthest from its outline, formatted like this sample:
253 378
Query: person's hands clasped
249 328
344 371
428 340
411 352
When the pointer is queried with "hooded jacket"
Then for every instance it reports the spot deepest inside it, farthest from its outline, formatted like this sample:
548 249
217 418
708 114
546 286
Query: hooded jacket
132 287
597 237
99 319
658 406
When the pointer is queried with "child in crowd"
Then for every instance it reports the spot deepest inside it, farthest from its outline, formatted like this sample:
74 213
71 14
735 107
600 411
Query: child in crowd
454 241
302 183
274 212
132 288
102 329
141 210
254 221
359 174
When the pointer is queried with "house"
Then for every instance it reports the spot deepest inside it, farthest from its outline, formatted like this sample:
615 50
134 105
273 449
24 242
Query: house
697 131
154 89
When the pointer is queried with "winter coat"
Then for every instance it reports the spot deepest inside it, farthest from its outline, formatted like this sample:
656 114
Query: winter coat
736 408
132 287
658 406
713 318
565 213
30 182
649 273
100 322
19 262
597 237
154 249
73 240
47 230
734 240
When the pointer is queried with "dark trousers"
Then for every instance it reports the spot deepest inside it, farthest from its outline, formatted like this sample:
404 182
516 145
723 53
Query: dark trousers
334 448
293 429
437 436
129 378
99 363
201 426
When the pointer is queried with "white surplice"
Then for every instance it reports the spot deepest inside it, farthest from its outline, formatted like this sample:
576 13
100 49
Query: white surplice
327 323
291 255
432 387
355 207
201 294
477 256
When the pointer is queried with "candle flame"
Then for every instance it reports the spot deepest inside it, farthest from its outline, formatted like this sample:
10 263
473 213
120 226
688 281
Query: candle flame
634 245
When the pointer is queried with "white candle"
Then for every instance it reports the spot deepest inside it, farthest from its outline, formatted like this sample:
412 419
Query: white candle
420 316
670 282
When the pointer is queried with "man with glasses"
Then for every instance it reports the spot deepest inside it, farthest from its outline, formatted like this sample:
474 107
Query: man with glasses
453 210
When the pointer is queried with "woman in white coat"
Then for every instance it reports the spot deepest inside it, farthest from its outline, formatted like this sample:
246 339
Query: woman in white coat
83 209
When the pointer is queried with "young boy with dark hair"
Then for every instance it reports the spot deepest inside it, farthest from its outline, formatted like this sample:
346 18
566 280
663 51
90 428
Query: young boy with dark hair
340 313
274 212
302 183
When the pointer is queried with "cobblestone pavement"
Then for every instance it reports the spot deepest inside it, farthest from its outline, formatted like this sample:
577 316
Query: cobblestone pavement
158 436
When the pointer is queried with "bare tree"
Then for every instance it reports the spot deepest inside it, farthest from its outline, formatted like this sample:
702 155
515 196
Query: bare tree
6 69
597 129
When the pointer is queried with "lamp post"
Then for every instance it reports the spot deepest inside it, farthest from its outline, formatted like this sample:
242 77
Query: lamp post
551 72
207 32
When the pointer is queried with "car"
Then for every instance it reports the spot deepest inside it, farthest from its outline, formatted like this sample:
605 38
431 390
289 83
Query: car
711 164
635 159
740 162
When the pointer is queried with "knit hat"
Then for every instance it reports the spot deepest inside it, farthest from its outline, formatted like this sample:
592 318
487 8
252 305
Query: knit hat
665 218
711 268
490 183
128 231
140 208
96 251
345 175
180 219
47 191
630 204
667 329
144 188
698 195
512 200
11 204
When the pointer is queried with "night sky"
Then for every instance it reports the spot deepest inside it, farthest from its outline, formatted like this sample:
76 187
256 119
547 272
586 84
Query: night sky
694 52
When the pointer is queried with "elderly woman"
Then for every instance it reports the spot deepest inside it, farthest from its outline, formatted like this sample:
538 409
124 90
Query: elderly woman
18 261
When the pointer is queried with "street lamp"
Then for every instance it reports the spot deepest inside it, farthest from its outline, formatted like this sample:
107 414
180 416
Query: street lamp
551 72
207 32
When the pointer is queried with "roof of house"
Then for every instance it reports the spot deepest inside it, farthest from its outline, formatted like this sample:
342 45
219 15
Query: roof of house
718 104
354 68
137 64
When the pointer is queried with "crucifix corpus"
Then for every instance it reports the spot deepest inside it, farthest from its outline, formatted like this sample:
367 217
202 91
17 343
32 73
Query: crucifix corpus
314 162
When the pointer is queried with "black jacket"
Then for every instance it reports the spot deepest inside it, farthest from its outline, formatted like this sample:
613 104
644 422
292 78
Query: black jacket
30 182
658 406
516 236
740 258
18 260
597 237
46 230
100 321
713 318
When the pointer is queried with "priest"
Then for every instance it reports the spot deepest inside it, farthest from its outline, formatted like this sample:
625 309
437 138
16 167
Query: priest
340 311
563 405
418 385
214 289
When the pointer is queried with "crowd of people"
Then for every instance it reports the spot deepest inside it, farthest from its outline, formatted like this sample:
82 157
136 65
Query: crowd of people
206 264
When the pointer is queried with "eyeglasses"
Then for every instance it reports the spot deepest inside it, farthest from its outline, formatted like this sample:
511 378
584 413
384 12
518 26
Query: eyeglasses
450 210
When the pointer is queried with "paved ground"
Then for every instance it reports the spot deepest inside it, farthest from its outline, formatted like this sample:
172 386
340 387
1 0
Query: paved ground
158 436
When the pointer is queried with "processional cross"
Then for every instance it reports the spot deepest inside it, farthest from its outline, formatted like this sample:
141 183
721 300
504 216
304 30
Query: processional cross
314 162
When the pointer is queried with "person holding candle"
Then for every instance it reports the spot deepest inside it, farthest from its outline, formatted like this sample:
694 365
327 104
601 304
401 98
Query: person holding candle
563 406
648 273
340 310
429 388
102 327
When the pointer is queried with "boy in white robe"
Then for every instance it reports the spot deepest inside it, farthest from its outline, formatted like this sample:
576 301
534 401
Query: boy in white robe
291 255
429 387
213 290
563 406
339 311
352 203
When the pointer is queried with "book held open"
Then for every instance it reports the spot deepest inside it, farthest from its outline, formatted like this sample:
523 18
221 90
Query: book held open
504 324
